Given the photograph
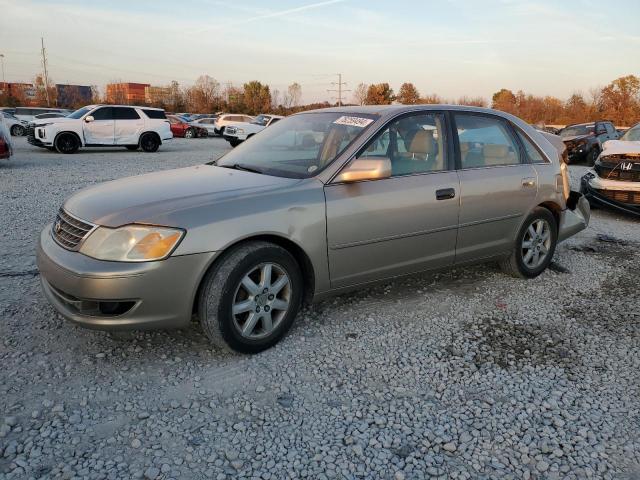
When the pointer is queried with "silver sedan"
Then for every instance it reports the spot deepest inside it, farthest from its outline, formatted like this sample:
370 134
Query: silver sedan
319 203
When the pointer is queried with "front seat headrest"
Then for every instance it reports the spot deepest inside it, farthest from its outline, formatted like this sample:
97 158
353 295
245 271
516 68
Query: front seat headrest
422 143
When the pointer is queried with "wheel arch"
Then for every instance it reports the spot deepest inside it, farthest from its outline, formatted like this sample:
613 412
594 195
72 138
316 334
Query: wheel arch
301 257
555 210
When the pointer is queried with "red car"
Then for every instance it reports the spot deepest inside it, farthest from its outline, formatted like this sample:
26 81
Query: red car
180 128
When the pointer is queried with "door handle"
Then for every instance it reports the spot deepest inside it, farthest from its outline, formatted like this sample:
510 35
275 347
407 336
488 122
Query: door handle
445 194
529 182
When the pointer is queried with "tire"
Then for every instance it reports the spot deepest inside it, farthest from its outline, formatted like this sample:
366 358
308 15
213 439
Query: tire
517 264
132 148
149 142
592 157
234 143
221 131
67 143
190 133
240 279
18 130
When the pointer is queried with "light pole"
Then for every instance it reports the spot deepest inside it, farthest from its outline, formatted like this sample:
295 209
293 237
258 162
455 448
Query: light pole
2 62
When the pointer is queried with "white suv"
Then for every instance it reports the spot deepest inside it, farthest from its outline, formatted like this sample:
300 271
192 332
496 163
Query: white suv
236 134
223 120
103 126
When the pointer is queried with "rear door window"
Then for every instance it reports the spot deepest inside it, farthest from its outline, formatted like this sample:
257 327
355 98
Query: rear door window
123 113
485 142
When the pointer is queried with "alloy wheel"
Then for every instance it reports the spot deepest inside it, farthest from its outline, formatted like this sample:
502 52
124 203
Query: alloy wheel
261 300
536 243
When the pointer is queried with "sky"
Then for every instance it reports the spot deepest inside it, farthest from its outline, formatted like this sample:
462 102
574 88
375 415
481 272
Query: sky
449 47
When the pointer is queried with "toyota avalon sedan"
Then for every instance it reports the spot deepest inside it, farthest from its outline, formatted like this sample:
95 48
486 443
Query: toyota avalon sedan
319 203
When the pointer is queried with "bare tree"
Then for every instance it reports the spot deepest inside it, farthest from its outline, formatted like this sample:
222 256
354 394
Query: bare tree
360 94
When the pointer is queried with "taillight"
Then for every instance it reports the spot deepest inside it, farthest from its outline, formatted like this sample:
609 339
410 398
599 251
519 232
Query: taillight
562 181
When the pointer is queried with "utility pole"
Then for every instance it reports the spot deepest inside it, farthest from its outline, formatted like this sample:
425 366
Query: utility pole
339 90
46 74
2 62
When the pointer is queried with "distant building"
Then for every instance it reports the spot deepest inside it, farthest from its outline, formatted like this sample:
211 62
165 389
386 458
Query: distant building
127 93
72 95
24 92
157 95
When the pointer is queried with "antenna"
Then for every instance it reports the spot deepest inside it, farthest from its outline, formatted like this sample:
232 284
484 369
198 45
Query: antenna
46 74
339 90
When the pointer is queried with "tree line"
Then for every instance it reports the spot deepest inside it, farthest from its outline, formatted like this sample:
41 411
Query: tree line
619 101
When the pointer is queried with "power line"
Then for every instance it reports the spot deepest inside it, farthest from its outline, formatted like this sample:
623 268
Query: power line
339 90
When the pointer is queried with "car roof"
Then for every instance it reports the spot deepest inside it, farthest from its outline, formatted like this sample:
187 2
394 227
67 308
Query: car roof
128 106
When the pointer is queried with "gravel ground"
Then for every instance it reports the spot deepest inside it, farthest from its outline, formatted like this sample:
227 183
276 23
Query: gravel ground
464 374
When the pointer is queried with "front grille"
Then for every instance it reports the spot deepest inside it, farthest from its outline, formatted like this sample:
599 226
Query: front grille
230 130
69 231
631 198
615 173
31 132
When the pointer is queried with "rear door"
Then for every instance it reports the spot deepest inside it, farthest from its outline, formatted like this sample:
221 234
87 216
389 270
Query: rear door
406 223
498 186
128 126
101 130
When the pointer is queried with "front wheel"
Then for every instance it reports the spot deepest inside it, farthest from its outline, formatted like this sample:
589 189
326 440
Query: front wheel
534 247
17 130
234 143
67 143
249 300
150 142
190 133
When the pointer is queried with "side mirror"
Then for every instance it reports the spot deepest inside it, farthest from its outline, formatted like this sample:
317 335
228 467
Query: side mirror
89 119
365 169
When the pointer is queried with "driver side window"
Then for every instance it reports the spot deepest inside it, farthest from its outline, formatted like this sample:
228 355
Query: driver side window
104 113
414 144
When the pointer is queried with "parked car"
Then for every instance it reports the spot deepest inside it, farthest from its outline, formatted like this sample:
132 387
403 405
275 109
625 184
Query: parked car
6 148
103 126
28 113
180 127
321 202
227 119
236 134
584 140
614 181
208 123
16 127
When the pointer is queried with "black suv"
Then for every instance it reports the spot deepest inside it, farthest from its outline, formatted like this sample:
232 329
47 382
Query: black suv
584 140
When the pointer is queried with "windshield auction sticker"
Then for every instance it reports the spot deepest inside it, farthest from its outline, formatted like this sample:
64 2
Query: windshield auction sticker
353 121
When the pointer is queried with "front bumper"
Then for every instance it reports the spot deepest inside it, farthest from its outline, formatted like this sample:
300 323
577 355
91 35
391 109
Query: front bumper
118 295
603 196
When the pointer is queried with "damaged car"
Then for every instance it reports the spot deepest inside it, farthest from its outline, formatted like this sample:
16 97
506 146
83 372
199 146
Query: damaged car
614 181
320 203
584 140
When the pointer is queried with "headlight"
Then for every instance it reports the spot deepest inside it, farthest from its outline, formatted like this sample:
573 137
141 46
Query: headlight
240 131
132 243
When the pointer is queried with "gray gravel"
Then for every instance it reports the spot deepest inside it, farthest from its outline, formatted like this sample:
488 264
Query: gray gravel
463 374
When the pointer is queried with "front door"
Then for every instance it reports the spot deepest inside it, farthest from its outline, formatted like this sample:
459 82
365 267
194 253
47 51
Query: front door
101 130
406 223
498 186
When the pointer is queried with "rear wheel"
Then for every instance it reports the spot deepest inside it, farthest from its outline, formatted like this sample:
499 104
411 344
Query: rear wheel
190 133
249 300
67 143
150 142
17 130
534 247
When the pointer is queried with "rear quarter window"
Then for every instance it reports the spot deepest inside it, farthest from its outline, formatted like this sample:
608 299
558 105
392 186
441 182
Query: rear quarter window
157 114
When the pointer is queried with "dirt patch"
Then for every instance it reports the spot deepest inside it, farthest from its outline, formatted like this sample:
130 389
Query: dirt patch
502 341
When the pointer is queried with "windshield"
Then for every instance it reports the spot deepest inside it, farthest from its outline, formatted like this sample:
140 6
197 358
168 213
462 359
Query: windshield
81 112
576 130
261 120
632 135
299 146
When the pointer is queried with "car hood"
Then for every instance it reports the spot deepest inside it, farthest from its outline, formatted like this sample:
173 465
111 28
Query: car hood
49 121
620 147
156 197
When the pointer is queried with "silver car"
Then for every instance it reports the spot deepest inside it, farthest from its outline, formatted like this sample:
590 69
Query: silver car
319 203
